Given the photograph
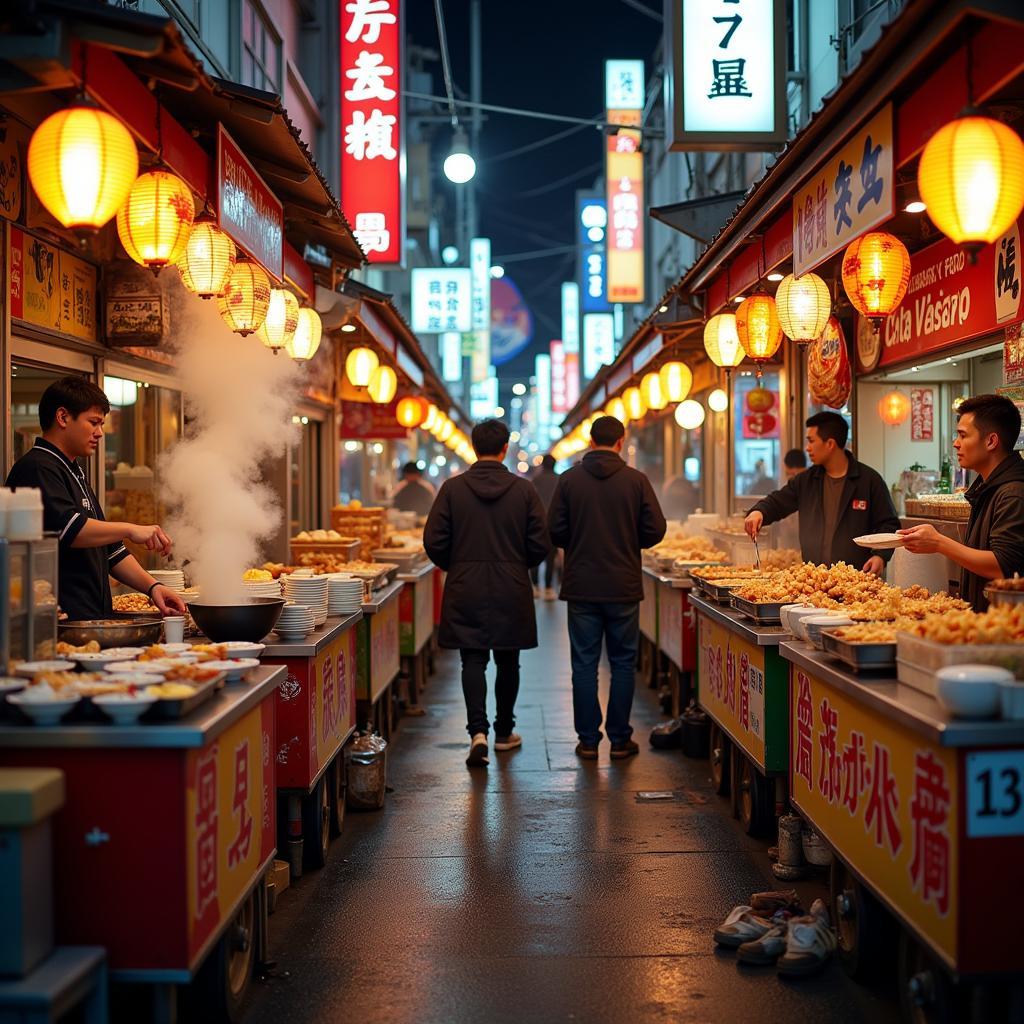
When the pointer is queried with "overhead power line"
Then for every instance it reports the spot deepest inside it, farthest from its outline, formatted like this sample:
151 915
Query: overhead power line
539 144
446 64
535 254
644 9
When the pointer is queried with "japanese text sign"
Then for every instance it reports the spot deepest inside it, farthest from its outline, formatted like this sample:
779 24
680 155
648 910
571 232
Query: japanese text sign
598 342
922 414
368 421
726 76
372 126
624 174
624 84
246 208
559 385
592 225
480 276
571 316
852 192
442 300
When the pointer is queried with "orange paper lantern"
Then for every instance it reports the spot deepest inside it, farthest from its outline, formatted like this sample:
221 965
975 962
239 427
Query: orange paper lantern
156 219
758 328
894 408
876 270
411 412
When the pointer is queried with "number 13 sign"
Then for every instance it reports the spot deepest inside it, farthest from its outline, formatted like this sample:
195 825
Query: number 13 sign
995 794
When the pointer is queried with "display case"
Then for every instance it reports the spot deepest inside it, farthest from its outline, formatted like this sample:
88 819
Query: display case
28 615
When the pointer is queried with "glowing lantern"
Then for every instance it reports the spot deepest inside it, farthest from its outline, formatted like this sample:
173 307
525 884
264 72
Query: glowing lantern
431 418
652 391
155 221
585 429
446 431
876 269
411 412
360 366
282 318
209 257
303 344
721 342
383 385
804 306
758 328
718 400
243 306
617 408
760 400
894 408
676 381
82 163
689 414
971 176
634 402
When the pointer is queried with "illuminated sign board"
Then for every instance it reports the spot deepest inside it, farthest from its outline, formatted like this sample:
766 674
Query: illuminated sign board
591 228
559 388
480 275
624 175
571 316
442 300
598 342
624 84
451 356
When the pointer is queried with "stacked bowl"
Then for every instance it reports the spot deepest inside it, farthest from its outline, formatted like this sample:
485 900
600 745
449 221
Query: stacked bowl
344 593
295 623
310 591
173 579
262 588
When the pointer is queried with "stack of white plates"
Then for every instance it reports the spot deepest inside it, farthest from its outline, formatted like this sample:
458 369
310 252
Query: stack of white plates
262 588
296 622
310 591
344 594
173 579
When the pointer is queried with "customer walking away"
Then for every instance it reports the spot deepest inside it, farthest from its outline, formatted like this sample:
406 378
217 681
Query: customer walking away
603 513
545 483
486 529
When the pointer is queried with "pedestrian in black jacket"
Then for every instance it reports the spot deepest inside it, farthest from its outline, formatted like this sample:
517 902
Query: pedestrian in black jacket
603 513
486 529
987 430
545 483
838 499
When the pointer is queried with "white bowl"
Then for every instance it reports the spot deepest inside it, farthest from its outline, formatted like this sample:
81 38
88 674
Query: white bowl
242 649
135 668
133 678
104 658
814 624
797 617
43 712
971 691
29 669
786 613
123 708
10 684
1012 700
233 668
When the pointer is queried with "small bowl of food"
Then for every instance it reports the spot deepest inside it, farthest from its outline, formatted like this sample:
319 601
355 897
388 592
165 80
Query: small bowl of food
31 669
1005 592
971 691
233 668
44 705
124 708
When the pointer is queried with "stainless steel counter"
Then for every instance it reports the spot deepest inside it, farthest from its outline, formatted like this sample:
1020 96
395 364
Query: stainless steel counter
760 636
676 582
198 729
891 699
381 597
312 645
417 574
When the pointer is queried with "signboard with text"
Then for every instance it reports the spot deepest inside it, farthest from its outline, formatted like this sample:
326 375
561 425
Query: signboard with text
368 421
559 385
480 278
442 300
592 231
624 175
922 414
598 342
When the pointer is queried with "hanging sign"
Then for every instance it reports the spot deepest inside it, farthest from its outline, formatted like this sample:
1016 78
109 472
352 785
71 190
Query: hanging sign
511 321
598 342
373 127
10 174
852 192
368 421
480 276
559 387
922 414
442 300
624 174
591 255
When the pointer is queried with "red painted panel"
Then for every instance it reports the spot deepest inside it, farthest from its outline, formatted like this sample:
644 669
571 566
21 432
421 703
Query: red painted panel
294 716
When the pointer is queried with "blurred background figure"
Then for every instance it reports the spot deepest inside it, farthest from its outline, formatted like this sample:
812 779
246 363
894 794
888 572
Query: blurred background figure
794 461
679 497
413 494
545 483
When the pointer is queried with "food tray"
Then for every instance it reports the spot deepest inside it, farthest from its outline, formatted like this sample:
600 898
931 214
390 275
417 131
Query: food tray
346 549
405 560
377 580
918 658
368 524
762 613
716 590
860 656
684 569
173 709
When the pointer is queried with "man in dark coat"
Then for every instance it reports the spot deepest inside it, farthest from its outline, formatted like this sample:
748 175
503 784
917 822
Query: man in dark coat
486 529
987 432
603 513
413 494
545 483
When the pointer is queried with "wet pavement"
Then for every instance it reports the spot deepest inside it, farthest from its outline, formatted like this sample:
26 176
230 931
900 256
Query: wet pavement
538 889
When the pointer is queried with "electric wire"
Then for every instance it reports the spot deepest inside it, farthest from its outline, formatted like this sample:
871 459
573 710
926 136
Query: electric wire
446 65
644 9
531 146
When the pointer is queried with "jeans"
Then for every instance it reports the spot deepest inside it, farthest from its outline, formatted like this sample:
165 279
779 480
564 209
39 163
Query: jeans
619 626
474 689
549 570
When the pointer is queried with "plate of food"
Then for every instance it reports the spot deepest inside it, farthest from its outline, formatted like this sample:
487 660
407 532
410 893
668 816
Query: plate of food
233 668
99 659
30 669
880 541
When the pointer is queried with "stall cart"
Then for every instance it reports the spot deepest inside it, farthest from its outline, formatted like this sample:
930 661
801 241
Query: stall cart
378 658
416 630
648 654
677 639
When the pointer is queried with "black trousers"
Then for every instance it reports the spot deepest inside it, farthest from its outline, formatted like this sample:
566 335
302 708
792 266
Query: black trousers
474 689
549 570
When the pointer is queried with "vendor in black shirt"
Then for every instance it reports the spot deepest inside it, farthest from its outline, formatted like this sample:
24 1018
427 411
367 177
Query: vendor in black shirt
838 499
987 430
71 413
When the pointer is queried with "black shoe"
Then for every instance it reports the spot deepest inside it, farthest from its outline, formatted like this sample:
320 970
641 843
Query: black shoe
626 749
585 752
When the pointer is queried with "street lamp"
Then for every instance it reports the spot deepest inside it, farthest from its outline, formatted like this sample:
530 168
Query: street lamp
497 272
459 165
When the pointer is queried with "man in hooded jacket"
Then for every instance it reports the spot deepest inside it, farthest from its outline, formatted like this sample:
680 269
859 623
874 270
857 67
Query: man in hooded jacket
486 529
603 513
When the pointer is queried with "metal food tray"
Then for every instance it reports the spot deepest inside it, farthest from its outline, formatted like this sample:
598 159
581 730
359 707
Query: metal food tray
716 591
762 613
861 656
173 709
683 569
376 580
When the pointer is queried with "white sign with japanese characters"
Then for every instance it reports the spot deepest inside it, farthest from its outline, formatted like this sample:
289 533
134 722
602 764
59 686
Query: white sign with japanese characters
442 300
624 84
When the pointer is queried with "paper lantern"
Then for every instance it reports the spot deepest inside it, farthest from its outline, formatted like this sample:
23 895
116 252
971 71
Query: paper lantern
894 408
652 391
82 163
411 412
971 177
282 319
360 365
876 269
209 257
804 306
155 221
303 344
617 408
689 414
446 431
431 417
243 306
718 400
721 342
758 328
760 399
676 381
383 385
634 403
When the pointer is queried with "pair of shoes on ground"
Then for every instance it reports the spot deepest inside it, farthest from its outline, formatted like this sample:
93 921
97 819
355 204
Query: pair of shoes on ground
588 752
478 747
797 945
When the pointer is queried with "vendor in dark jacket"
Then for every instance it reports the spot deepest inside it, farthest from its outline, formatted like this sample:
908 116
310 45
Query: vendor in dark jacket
486 529
603 513
987 430
838 499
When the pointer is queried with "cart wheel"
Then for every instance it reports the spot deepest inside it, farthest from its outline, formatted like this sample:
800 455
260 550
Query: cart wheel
223 981
927 992
337 784
755 795
867 932
316 825
721 753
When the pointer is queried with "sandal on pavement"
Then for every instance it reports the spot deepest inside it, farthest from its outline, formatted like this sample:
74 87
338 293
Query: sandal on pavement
809 944
765 950
780 899
742 925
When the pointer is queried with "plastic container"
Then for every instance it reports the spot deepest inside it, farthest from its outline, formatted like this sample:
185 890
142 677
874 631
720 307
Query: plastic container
366 766
25 514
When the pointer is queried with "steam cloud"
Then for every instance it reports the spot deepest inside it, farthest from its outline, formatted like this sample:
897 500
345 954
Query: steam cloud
239 397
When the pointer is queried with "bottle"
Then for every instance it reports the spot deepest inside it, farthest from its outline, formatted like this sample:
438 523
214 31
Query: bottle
25 514
946 476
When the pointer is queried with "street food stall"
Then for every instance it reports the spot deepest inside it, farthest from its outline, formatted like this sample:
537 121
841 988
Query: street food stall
378 658
416 628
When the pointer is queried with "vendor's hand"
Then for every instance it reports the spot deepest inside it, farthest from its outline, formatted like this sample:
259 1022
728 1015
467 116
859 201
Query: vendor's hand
152 538
167 601
874 565
752 524
921 540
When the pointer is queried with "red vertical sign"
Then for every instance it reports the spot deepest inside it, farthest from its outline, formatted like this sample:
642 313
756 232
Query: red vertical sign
372 129
572 379
922 414
559 389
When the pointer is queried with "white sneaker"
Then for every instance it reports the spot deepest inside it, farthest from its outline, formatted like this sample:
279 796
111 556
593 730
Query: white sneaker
478 751
550 594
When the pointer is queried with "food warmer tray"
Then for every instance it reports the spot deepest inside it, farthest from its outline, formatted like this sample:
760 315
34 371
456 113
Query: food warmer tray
684 569
717 591
763 613
164 709
862 656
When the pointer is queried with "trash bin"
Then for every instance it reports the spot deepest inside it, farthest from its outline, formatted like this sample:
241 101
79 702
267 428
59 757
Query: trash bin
366 765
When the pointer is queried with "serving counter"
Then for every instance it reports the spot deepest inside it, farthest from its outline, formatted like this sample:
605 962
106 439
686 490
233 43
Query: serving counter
924 810
416 629
166 831
669 618
378 657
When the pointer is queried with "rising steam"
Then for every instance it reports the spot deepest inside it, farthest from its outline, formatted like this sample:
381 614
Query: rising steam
239 397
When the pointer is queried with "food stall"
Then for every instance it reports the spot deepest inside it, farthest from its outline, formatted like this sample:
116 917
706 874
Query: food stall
315 713
416 628
377 658
648 656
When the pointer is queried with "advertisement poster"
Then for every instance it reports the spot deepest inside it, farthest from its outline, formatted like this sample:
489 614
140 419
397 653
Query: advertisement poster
922 414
